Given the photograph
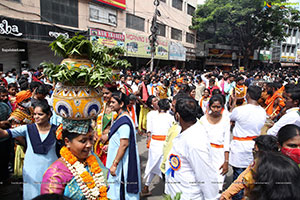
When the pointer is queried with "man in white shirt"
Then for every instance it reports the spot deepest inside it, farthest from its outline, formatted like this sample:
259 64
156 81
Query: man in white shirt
189 164
249 119
292 116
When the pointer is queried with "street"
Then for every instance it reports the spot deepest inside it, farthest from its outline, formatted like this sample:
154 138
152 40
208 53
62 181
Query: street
157 185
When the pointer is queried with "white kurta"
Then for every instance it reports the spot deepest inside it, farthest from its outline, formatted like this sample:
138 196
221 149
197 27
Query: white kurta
218 134
291 117
159 125
196 178
150 116
249 119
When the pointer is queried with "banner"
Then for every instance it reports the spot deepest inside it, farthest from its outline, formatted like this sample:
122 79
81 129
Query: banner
106 38
16 28
298 56
138 46
116 3
264 57
288 58
177 51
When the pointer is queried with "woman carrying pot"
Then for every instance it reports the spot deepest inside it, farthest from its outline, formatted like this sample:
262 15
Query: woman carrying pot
122 156
40 152
78 173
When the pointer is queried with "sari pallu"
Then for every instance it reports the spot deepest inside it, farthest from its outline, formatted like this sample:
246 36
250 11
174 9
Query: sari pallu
103 121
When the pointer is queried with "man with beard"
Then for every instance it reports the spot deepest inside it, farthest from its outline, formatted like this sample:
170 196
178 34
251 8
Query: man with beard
172 133
274 102
189 164
5 144
292 102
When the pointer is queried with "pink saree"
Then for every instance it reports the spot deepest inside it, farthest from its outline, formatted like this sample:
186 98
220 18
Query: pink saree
56 178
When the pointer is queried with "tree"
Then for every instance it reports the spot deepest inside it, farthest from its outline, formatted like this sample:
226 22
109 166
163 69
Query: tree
248 24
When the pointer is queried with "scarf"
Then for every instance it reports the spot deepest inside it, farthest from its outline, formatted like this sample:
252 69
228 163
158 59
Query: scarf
145 94
132 174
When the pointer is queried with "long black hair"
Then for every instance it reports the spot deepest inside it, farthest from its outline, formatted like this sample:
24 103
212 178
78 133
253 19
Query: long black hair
277 177
149 101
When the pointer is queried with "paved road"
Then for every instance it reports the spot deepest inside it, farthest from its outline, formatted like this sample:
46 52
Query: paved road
157 185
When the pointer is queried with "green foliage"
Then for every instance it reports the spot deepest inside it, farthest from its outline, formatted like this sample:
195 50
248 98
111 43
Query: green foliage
168 197
75 46
243 23
93 77
103 58
109 57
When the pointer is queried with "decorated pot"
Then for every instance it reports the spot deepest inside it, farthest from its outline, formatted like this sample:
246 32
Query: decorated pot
77 102
77 62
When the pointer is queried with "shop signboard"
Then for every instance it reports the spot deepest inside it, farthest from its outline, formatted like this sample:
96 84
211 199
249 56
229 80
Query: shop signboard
288 58
177 51
265 57
16 28
115 3
298 56
138 45
106 38
291 58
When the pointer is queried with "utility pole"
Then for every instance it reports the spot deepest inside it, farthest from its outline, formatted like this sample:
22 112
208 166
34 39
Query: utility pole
153 36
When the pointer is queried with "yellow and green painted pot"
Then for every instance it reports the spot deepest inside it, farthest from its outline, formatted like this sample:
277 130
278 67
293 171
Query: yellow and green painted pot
77 62
77 102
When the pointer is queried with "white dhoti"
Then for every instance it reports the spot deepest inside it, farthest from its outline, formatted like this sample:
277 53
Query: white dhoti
155 155
218 158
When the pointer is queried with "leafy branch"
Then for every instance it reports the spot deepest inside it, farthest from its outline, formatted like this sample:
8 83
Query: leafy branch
104 59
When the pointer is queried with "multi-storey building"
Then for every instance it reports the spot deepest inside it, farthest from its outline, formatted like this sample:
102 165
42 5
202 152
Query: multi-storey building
287 52
28 26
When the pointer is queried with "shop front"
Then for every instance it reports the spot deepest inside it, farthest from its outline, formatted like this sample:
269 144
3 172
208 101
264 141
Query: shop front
25 44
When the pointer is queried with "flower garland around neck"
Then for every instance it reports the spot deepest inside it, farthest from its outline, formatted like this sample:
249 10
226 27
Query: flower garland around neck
93 187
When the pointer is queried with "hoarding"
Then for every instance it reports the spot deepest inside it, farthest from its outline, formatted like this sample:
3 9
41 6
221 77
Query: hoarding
138 45
107 38
116 3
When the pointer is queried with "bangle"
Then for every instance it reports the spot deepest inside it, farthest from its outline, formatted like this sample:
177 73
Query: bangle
227 161
115 163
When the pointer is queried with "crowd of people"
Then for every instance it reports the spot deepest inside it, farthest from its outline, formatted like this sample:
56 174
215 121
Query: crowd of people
198 125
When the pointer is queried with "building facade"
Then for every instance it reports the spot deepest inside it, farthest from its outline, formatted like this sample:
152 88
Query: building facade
27 27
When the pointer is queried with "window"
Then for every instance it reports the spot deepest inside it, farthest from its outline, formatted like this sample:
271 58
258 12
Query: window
176 34
294 32
290 32
283 47
293 49
161 30
190 10
135 22
177 4
288 49
190 38
103 15
60 12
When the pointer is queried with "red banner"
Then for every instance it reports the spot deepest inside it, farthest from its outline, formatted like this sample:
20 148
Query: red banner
116 3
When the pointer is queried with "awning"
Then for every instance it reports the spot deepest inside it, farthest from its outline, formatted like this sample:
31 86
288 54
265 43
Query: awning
290 64
218 64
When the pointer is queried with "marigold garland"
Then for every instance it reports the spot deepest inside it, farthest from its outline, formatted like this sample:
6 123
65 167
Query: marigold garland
93 187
